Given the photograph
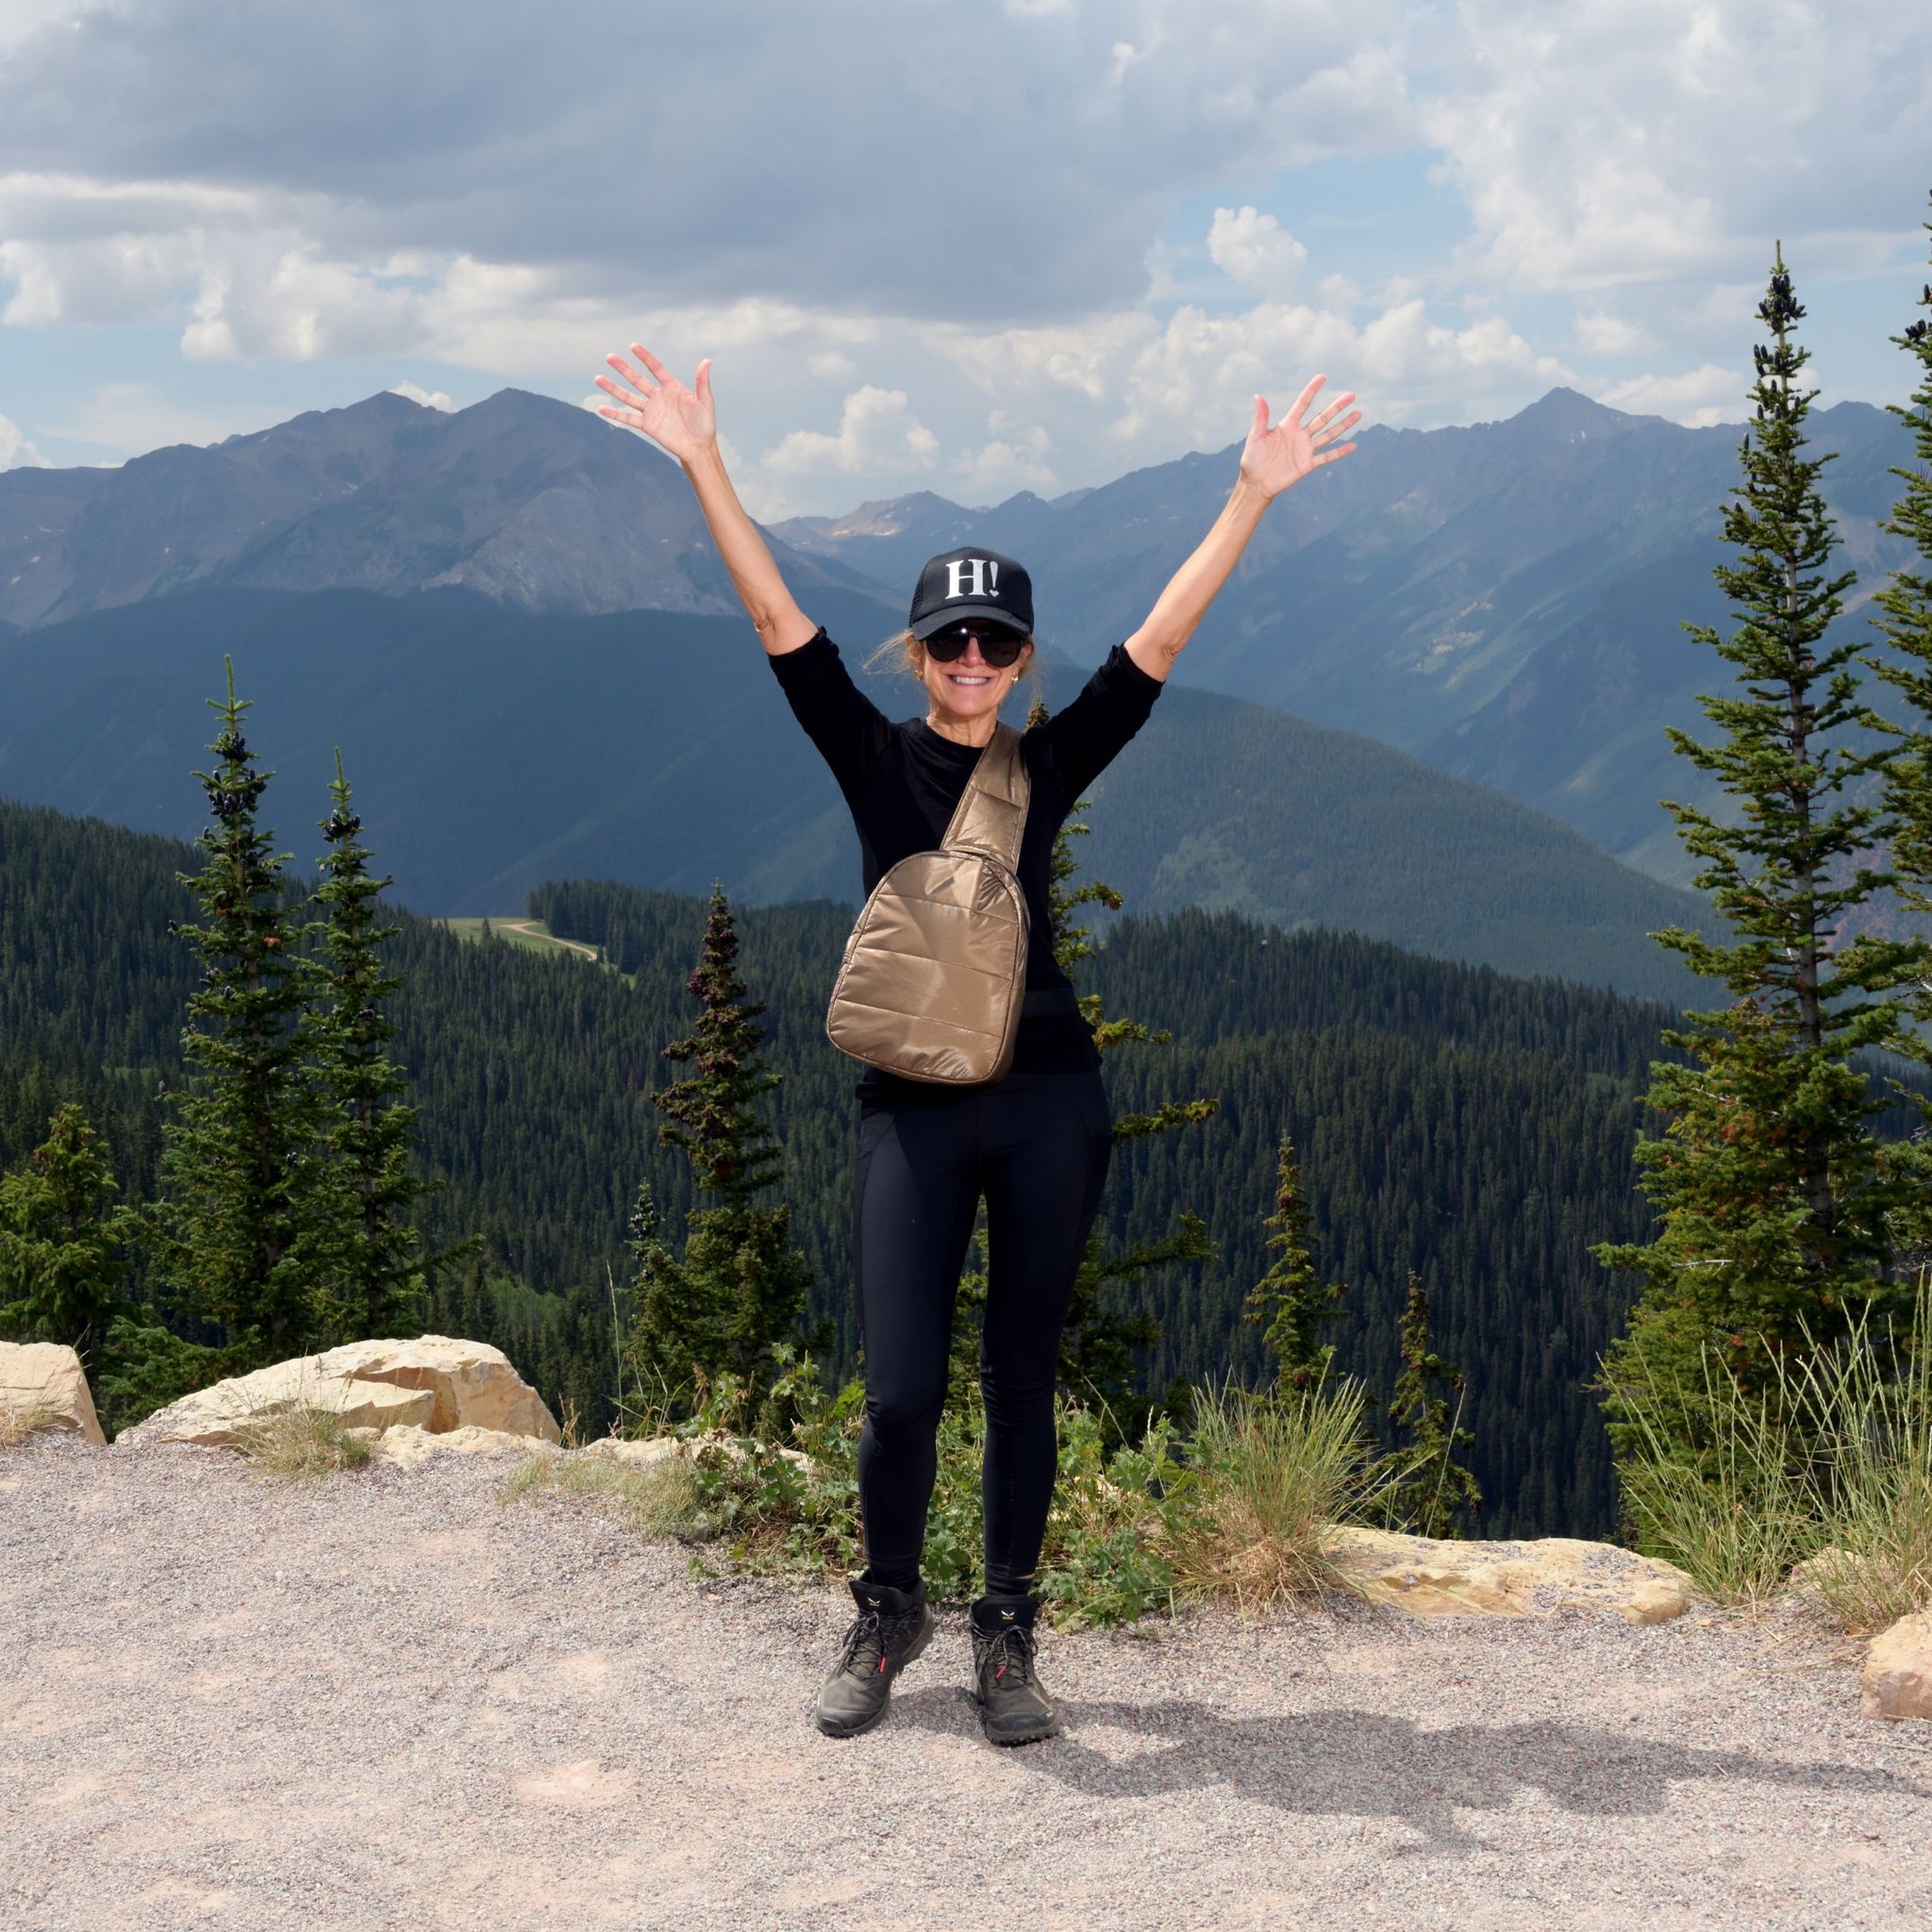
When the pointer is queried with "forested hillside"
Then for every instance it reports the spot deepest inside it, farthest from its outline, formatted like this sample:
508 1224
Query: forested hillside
1472 1126
497 750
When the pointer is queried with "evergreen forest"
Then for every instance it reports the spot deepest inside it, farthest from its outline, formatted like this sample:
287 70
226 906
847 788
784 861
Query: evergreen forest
1454 1122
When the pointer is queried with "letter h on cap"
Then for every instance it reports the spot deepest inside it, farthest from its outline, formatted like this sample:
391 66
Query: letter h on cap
985 579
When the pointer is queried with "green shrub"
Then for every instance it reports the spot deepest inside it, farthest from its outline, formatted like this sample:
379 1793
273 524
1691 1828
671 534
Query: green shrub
1734 1518
790 1507
1868 1401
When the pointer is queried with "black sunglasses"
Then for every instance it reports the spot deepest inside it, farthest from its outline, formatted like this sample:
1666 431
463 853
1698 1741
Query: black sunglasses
999 646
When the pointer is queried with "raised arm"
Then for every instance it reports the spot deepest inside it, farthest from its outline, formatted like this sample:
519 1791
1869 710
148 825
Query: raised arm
683 422
1272 461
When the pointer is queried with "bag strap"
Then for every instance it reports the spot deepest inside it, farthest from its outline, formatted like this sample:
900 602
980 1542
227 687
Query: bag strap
991 816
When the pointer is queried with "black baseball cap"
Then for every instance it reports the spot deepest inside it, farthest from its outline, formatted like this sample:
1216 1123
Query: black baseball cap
972 583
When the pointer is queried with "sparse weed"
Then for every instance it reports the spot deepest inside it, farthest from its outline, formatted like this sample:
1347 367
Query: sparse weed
20 1419
1869 1402
1737 1522
296 1444
1268 1477
653 1499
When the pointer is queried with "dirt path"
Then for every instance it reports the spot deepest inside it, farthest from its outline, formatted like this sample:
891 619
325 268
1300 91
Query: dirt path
388 1702
527 928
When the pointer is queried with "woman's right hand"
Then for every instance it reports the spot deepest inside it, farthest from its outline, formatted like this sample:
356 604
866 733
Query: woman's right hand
681 421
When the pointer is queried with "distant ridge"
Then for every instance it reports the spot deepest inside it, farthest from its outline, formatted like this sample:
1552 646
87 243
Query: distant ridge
525 500
493 749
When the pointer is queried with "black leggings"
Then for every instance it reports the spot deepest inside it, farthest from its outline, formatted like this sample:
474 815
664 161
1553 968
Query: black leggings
1036 1146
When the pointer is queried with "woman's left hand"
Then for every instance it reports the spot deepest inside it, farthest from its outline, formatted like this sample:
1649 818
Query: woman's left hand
1275 458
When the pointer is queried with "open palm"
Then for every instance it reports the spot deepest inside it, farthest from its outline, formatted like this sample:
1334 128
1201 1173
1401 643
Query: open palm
1275 458
680 420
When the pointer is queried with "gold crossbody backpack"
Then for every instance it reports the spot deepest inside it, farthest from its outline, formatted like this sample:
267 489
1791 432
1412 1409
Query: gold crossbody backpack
933 977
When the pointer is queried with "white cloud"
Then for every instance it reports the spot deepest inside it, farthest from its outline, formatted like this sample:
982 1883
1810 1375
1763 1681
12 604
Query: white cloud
16 452
1014 458
1609 145
876 432
1195 380
1603 334
1700 397
429 398
1080 357
19 17
782 155
1254 248
282 185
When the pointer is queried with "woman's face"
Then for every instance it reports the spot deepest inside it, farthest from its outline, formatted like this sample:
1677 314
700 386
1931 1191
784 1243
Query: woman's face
969 688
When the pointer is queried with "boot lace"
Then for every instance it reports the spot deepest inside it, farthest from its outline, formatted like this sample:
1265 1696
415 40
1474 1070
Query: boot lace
864 1648
1008 1658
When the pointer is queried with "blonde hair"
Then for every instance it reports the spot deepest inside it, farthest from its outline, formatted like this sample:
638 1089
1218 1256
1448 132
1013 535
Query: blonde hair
904 652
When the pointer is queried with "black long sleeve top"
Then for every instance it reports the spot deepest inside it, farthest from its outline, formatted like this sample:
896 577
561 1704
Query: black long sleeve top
903 783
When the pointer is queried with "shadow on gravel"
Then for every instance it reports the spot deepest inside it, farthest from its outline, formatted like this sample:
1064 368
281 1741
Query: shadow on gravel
1362 1764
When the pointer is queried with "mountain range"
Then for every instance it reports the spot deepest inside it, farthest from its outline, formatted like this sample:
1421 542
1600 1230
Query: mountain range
524 500
1503 601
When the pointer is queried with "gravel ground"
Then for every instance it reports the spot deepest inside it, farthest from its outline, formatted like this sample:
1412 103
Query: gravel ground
388 1701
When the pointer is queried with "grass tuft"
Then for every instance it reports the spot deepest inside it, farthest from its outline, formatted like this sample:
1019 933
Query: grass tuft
653 1499
18 1421
1828 1474
299 1445
1735 1524
1268 1479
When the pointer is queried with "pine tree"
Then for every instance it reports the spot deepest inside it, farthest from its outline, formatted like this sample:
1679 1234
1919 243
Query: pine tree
375 1268
238 1240
1290 1301
1433 1491
61 1240
738 1290
1905 624
1774 1194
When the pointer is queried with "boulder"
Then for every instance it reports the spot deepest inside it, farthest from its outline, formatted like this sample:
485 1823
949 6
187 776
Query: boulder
435 1385
1898 1670
43 1387
473 1385
408 1445
1431 1578
213 1416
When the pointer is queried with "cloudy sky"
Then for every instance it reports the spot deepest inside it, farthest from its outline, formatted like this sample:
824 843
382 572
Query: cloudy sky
967 245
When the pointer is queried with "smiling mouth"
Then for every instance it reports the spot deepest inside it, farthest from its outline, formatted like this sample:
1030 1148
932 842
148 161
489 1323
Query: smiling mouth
966 677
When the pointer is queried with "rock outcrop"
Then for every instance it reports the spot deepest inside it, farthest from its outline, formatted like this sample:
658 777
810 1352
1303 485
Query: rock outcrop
473 1383
1898 1670
408 1445
1428 1578
43 1387
435 1384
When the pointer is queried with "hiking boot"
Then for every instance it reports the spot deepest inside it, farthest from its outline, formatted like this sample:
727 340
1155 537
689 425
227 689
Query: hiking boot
893 1626
1014 1708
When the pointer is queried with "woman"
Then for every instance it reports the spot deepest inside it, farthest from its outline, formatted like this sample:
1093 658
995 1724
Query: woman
1035 1143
